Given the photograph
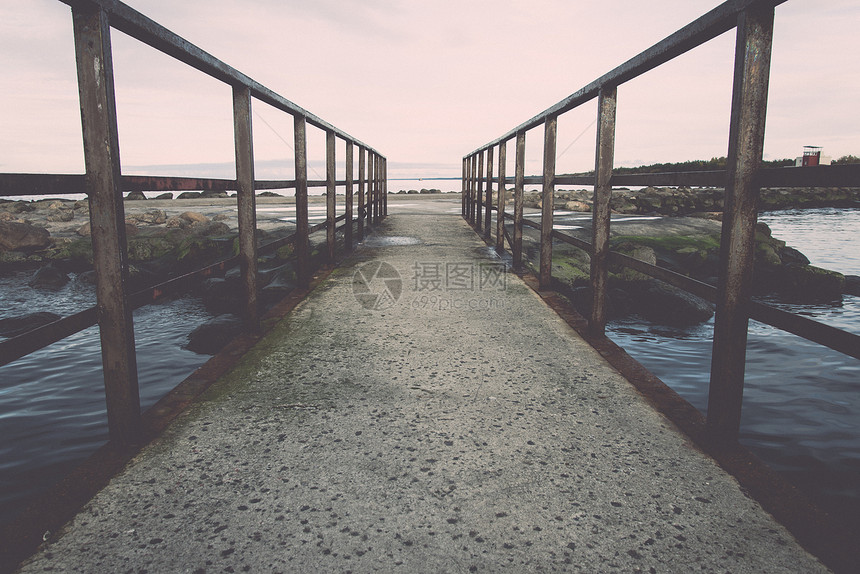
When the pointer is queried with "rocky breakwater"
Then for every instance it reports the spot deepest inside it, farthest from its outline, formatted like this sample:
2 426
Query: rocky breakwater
689 246
51 240
677 201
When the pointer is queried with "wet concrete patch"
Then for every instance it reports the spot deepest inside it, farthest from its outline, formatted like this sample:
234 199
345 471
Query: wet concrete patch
391 241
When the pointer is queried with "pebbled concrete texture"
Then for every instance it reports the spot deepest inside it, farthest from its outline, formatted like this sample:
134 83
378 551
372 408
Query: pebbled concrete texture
465 428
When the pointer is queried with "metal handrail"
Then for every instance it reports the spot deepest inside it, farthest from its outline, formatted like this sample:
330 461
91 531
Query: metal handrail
104 185
742 179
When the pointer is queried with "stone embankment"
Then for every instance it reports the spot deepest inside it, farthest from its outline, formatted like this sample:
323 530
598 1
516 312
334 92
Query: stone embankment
677 201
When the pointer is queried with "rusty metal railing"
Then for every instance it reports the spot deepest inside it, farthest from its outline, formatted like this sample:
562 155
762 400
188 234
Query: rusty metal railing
104 184
744 176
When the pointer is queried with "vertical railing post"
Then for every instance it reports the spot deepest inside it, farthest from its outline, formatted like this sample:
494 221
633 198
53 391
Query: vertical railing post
473 185
330 194
385 187
375 189
468 189
245 200
737 246
547 200
500 202
488 204
302 246
347 232
519 179
107 220
604 158
463 201
362 174
480 192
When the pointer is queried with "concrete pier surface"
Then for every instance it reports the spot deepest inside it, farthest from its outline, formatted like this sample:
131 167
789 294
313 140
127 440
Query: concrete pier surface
422 410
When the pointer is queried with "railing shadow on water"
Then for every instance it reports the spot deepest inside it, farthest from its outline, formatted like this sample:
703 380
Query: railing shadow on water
104 185
742 180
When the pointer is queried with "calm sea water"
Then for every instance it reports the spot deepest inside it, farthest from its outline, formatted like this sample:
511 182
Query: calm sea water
801 409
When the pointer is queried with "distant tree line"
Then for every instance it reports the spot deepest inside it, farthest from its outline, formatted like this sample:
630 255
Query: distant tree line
713 164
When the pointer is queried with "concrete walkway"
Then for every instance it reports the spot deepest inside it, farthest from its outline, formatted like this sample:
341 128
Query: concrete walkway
460 426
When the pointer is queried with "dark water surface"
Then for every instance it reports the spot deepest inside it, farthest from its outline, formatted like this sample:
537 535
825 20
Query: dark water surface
52 405
801 410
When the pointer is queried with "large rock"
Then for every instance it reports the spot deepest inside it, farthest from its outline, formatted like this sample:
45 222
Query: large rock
663 304
14 326
852 285
49 277
212 336
23 237
135 196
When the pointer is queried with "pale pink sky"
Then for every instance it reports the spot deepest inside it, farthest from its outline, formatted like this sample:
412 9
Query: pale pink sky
424 82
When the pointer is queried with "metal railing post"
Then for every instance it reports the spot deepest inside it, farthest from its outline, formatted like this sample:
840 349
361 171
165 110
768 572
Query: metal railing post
375 189
737 245
330 194
604 158
488 204
362 175
385 187
473 185
480 192
500 202
519 178
245 201
547 200
347 232
463 201
302 244
107 220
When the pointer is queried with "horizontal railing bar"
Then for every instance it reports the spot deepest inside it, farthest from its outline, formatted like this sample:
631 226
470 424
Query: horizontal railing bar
574 180
131 22
40 337
719 20
698 288
530 223
715 178
26 343
811 176
570 240
841 341
826 335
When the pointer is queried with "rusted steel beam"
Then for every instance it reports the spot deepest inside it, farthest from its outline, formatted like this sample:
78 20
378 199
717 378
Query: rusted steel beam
302 247
500 213
716 178
26 343
479 193
331 190
737 246
107 220
719 20
488 203
519 174
547 201
362 176
41 184
146 30
347 234
831 337
603 162
817 176
570 240
246 202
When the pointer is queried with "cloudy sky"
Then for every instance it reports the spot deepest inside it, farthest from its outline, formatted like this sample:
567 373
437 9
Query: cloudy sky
424 82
